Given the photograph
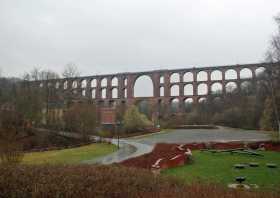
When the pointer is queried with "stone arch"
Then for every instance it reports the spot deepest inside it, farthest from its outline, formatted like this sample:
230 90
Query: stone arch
57 85
202 89
115 81
161 79
143 86
188 77
125 93
103 93
188 90
83 92
202 100
231 87
175 78
246 86
231 74
202 76
175 105
125 82
84 83
260 71
216 88
188 102
93 93
74 84
261 85
114 93
175 90
246 73
217 100
216 75
65 85
161 91
93 83
104 82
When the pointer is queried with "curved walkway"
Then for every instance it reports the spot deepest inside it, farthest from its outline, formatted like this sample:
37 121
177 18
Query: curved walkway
128 149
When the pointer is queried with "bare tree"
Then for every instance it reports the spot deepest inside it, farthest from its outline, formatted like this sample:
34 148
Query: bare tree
34 99
81 118
70 71
273 53
38 74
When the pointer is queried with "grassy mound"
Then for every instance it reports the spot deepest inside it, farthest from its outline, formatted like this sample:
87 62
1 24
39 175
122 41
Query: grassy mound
219 167
69 156
103 181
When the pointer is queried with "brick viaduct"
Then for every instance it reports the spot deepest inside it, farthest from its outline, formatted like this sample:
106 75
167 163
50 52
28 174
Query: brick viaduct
183 85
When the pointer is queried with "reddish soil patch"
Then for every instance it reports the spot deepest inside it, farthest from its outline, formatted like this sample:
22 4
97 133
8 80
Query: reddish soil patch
146 161
169 151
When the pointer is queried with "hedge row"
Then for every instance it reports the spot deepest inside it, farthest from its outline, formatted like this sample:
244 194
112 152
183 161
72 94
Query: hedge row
103 181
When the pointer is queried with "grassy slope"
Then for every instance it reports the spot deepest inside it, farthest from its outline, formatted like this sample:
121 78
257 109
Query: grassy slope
219 168
69 156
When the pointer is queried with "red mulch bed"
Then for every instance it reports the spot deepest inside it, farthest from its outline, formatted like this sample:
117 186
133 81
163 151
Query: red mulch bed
160 151
168 151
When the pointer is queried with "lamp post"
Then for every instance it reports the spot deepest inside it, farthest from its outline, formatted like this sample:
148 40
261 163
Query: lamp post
118 135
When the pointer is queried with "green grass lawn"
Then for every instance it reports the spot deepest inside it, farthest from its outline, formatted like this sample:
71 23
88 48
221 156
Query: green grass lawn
69 156
219 168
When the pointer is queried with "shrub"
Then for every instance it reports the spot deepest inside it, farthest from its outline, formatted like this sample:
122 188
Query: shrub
11 131
104 181
135 121
10 148
173 121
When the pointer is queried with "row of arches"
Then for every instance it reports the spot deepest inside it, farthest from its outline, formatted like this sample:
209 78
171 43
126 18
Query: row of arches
146 85
215 75
202 90
146 89
103 93
84 83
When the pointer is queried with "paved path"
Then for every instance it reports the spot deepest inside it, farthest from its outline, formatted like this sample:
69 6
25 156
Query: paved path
136 146
128 149
203 135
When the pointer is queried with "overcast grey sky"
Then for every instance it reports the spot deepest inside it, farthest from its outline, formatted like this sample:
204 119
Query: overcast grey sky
108 36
